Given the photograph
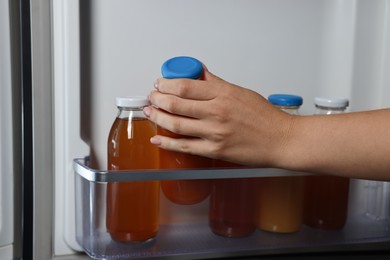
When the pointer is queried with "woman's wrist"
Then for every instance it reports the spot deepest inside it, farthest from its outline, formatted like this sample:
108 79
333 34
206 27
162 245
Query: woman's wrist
298 146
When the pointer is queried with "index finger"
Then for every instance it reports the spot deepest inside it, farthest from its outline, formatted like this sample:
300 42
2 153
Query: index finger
187 88
204 89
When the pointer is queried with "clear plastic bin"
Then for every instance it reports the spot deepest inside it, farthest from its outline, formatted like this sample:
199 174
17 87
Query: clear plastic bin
193 238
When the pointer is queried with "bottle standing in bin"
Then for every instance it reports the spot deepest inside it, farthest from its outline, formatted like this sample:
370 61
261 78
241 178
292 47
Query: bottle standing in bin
184 192
280 199
326 197
232 204
132 207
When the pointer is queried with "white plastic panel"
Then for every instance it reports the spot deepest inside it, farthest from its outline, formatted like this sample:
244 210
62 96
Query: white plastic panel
68 143
6 135
371 55
385 67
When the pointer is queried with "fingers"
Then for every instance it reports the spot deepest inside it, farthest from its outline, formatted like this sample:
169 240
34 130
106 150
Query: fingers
194 146
186 88
179 106
190 89
176 124
186 107
188 97
208 76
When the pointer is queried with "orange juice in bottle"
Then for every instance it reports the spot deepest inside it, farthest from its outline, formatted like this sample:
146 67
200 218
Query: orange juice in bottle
280 204
280 199
133 206
183 192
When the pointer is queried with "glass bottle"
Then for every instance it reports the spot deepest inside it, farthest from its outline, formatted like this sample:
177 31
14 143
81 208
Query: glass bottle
326 196
132 207
280 199
232 204
183 192
377 206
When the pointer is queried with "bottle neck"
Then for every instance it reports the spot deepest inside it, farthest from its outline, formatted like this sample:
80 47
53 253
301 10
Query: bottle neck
322 110
131 113
292 110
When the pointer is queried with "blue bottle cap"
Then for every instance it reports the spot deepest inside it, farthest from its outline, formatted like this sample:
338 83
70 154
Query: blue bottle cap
285 100
182 67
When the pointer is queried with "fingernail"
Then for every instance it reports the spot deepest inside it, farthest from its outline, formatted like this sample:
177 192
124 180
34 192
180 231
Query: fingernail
156 84
155 140
147 111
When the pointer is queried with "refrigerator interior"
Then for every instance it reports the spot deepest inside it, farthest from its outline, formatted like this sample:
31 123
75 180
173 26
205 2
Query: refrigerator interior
103 49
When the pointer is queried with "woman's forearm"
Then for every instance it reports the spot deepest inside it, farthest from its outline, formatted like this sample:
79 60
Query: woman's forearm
352 145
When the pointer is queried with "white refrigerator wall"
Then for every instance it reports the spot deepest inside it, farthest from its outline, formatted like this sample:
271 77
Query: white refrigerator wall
104 49
6 139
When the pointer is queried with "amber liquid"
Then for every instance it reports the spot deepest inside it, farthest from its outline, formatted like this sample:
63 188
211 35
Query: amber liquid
183 192
280 204
132 207
326 201
232 205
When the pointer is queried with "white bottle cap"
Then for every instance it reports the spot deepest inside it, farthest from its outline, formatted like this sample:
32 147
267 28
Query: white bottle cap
331 102
132 101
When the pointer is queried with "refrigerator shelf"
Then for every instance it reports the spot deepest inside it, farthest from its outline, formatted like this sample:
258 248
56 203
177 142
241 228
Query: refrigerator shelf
81 168
193 239
174 241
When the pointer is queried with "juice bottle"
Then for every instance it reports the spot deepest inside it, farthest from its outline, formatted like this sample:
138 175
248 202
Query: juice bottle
183 192
132 207
232 205
280 199
326 197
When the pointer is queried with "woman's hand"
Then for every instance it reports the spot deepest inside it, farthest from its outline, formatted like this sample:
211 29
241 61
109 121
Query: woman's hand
220 120
223 121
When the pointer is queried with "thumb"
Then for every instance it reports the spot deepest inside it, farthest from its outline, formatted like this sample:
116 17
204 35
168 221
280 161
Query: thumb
207 75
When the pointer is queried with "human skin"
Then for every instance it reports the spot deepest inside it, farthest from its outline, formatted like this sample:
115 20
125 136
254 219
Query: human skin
232 123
